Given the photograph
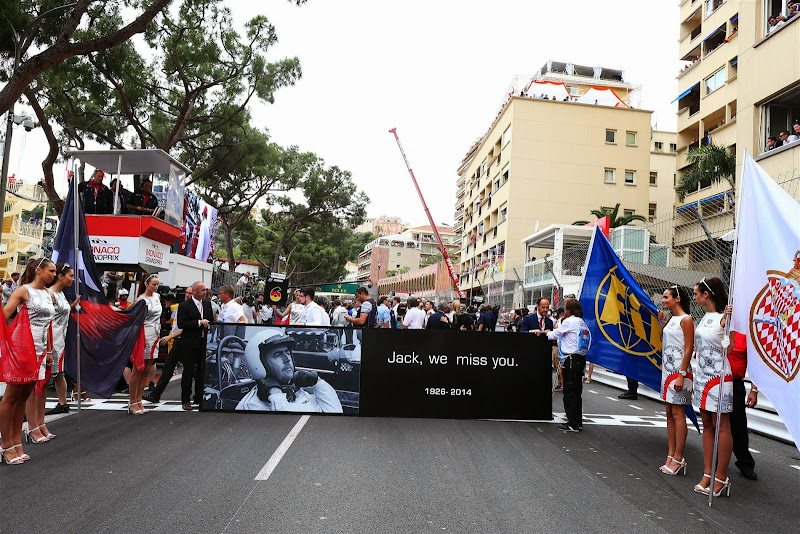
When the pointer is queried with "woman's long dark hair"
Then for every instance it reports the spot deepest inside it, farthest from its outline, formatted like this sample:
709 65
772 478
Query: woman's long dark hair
62 269
686 303
29 274
716 289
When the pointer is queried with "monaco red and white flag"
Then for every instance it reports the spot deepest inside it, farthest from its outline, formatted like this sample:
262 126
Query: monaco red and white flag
766 290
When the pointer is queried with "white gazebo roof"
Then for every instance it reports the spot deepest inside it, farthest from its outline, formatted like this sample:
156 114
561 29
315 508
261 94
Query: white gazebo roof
137 161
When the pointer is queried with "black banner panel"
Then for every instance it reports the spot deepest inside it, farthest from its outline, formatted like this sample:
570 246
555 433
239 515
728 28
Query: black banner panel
456 374
378 372
282 369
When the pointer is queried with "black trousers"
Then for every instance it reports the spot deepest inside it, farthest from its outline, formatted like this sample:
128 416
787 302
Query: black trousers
192 359
169 368
633 386
738 419
573 389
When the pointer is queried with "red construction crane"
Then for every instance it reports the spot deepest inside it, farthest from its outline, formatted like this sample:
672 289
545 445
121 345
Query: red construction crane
442 248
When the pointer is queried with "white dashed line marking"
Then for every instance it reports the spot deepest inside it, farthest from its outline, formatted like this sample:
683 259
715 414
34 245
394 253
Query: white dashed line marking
592 391
270 466
755 451
613 399
796 467
635 407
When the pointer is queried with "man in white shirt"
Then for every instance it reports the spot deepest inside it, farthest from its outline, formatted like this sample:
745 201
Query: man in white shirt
313 313
265 314
574 341
231 311
415 318
243 281
248 309
339 312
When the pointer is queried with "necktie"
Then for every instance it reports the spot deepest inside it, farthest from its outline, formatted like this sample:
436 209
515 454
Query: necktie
200 308
541 323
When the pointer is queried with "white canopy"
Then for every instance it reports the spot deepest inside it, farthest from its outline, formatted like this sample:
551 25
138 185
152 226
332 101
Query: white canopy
550 89
142 161
602 96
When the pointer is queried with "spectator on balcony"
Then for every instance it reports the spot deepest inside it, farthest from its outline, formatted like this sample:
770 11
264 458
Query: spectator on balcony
120 205
772 143
144 203
776 22
796 125
786 138
96 197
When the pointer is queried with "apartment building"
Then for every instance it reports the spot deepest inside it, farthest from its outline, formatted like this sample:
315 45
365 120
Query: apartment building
663 177
386 254
22 238
383 225
429 245
740 85
547 161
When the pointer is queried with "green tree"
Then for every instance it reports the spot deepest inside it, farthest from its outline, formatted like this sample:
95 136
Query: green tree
708 164
433 259
186 89
614 219
357 242
52 29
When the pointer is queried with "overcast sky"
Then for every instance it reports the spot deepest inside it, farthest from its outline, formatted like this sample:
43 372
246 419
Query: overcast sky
436 70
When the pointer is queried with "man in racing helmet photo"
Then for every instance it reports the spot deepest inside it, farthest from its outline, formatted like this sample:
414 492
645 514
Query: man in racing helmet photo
280 387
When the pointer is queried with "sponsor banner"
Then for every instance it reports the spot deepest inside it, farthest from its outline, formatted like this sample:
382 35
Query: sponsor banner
153 256
276 290
405 373
115 249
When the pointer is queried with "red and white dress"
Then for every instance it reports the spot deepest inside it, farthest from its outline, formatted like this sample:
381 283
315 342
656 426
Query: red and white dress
40 314
60 324
152 326
712 367
671 359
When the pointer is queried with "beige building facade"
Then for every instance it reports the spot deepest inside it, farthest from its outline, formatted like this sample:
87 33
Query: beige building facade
663 176
429 245
740 85
386 254
545 162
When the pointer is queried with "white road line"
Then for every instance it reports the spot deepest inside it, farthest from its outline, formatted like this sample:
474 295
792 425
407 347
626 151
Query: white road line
272 463
755 451
592 391
613 399
635 407
796 467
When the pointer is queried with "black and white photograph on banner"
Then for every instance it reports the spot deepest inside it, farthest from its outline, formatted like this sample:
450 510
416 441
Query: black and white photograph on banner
199 228
258 368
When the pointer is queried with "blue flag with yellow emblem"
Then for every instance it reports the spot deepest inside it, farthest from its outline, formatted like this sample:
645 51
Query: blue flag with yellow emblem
622 318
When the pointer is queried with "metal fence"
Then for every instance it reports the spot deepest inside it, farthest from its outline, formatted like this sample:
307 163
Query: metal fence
692 242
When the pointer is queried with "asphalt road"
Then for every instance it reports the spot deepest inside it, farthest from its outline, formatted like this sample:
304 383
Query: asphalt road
170 471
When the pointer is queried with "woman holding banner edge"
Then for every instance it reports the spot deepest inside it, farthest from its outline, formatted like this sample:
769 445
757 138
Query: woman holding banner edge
713 384
676 376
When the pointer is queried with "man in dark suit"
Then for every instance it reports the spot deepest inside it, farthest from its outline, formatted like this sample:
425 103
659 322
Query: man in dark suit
539 322
96 197
193 318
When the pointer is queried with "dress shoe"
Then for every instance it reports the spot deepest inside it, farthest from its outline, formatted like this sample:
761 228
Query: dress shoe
187 406
628 396
748 473
59 409
564 427
151 397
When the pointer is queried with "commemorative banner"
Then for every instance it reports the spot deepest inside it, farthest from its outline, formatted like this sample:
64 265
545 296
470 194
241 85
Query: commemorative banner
378 372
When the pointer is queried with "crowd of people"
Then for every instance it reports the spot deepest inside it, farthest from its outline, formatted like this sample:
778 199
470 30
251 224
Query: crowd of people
785 137
37 303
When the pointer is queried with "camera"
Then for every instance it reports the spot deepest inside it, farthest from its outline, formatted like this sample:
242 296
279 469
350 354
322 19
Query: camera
27 123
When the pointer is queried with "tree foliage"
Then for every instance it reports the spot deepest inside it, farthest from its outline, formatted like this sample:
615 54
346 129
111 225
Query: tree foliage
57 31
614 220
309 239
357 242
708 164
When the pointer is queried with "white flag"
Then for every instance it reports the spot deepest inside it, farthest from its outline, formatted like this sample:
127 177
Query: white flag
766 290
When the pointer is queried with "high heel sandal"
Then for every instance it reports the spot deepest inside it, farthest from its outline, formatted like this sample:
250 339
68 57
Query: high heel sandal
132 411
673 472
700 489
14 461
666 466
49 434
84 397
29 439
726 487
24 456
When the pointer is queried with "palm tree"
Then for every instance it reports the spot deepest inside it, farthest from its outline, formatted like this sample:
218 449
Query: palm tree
613 220
709 164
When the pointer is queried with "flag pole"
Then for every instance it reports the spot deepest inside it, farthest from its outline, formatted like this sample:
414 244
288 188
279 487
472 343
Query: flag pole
76 226
726 341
